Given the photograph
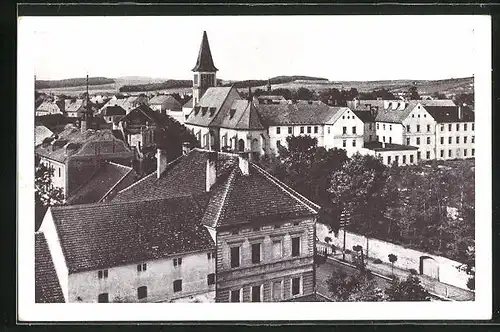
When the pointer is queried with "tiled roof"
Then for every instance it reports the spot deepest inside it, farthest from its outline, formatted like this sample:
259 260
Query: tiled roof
41 133
377 146
437 102
47 287
206 113
183 177
113 110
166 100
205 62
73 105
271 97
444 114
365 116
395 116
189 103
301 112
241 115
156 117
49 106
97 236
106 178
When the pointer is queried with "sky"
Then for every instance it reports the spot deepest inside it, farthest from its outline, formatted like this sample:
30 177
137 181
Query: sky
251 47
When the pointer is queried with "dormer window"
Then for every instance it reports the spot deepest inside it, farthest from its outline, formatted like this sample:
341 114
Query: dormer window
232 112
196 110
212 111
204 111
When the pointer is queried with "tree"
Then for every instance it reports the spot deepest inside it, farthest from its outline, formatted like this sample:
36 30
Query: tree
407 290
46 194
412 93
438 95
392 258
304 94
359 250
360 287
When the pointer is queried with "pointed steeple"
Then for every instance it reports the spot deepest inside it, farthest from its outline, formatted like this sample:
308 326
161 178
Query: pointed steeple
205 63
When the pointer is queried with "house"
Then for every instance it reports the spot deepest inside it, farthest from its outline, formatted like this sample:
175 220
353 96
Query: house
391 153
108 180
113 114
128 103
76 153
49 107
74 107
167 104
263 230
41 133
333 127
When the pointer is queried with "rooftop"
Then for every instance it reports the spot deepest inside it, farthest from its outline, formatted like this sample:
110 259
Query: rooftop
445 114
47 287
301 112
378 146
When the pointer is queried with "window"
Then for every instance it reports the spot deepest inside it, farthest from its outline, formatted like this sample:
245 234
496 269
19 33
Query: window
407 141
103 298
290 130
383 139
428 140
418 140
458 139
442 127
235 295
449 127
390 127
301 130
383 126
370 138
407 128
211 279
295 246
235 256
277 249
278 130
296 223
328 129
388 160
418 155
449 153
142 292
390 139
419 115
465 152
370 126
418 128
428 155
473 150
211 255
413 115
472 126
102 274
295 286
377 126
177 261
196 79
472 139
354 142
458 126
449 140
396 159
59 171
411 159
465 126
278 143
256 253
344 143
277 290
441 153
354 130
141 267
177 285
344 130
465 139
256 293
315 129
308 129
404 159
428 128
441 140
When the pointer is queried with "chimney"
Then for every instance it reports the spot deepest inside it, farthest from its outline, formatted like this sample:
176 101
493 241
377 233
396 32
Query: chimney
211 172
243 162
161 162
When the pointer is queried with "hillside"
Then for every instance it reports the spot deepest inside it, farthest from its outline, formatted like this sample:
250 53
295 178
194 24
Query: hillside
72 82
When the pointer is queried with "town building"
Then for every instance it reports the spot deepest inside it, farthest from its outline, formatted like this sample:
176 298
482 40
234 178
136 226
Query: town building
74 108
168 105
41 133
50 106
128 103
113 114
47 286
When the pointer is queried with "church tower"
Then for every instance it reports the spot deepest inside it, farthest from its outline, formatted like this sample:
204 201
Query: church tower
204 73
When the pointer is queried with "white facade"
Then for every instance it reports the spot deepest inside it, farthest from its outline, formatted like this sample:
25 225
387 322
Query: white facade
279 134
420 131
389 132
347 133
455 140
388 157
59 175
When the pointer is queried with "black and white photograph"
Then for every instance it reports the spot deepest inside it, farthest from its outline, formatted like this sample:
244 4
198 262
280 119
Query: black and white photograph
170 162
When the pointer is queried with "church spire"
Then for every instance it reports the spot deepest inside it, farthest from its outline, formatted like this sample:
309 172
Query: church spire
204 63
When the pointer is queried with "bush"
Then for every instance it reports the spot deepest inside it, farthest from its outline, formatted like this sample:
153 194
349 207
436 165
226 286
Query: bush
413 271
377 261
347 251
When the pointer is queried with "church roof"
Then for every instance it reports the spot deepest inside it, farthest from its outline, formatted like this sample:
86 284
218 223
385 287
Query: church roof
205 61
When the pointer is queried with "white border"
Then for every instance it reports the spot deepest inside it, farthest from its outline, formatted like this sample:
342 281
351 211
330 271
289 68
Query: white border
479 309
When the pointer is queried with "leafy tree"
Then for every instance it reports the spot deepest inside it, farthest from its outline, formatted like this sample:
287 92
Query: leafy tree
392 258
407 290
46 194
439 95
359 250
413 93
304 94
354 288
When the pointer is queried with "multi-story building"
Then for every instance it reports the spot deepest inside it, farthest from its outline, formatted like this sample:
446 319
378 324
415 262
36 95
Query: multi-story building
235 233
168 105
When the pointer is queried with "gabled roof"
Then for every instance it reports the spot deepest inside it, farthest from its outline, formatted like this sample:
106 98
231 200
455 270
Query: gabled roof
113 110
207 112
41 133
205 62
241 115
395 116
73 105
365 116
166 100
47 287
301 112
444 114
188 104
155 117
437 102
98 186
97 236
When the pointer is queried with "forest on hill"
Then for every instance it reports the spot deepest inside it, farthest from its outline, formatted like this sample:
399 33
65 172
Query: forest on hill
71 82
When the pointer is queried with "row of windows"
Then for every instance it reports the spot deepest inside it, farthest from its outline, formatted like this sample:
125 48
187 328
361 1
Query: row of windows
344 130
256 229
344 143
396 159
142 292
408 128
457 126
457 139
277 252
450 153
277 291
103 274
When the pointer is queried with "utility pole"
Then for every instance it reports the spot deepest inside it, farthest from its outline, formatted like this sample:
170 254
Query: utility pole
344 221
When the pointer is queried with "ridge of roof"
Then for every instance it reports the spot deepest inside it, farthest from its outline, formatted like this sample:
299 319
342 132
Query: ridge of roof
228 188
116 184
